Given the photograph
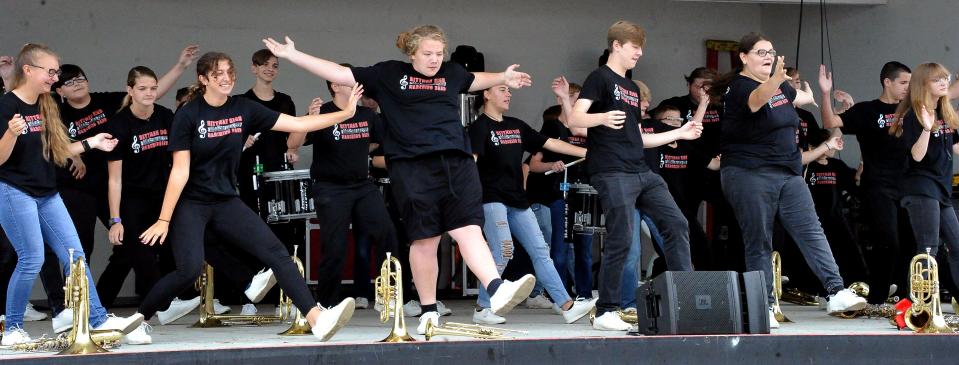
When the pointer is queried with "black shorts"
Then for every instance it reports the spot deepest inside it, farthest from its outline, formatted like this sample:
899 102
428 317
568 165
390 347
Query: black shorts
437 193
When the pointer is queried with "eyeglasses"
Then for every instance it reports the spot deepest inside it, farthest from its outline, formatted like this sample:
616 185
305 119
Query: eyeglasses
76 81
50 71
764 52
672 119
946 79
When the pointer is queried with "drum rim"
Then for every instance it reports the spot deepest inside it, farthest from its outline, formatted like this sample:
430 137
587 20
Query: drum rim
287 175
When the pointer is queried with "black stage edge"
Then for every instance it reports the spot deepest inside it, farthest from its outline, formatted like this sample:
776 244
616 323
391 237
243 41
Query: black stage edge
738 350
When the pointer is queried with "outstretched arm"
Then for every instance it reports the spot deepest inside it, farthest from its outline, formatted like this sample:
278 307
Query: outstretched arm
688 131
309 123
168 81
512 78
829 118
328 70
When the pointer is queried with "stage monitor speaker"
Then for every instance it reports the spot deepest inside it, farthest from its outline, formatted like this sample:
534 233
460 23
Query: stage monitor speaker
702 302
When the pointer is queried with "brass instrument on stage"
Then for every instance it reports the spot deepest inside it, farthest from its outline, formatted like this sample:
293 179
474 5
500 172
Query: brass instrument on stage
389 292
467 330
925 314
80 340
778 287
299 326
209 319
799 297
628 315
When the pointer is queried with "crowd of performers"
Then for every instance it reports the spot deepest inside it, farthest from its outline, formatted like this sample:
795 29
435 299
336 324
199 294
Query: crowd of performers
174 188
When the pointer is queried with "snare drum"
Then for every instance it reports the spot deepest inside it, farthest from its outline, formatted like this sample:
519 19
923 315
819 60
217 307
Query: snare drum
287 195
585 211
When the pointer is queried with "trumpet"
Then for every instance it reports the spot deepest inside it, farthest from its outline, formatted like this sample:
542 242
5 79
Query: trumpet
389 292
925 314
299 325
467 330
209 319
778 287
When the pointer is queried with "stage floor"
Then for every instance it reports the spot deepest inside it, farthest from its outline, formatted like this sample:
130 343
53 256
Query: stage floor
365 328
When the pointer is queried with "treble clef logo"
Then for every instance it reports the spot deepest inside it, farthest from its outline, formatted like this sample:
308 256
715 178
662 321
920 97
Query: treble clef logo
616 93
493 138
336 132
73 130
404 83
136 145
202 129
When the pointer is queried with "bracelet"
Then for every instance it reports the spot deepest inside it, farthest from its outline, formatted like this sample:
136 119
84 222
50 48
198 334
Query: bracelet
86 145
163 220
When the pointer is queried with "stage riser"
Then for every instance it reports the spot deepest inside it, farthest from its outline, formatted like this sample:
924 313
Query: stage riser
733 350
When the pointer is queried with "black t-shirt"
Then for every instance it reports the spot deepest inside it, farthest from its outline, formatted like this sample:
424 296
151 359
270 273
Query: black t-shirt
423 112
826 183
215 136
652 154
680 165
932 176
613 150
84 123
142 145
26 169
499 149
807 127
708 142
341 152
764 138
544 189
884 156
271 145
379 125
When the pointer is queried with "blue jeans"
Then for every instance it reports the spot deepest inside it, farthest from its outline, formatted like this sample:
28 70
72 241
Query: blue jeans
502 223
29 222
582 255
546 226
630 272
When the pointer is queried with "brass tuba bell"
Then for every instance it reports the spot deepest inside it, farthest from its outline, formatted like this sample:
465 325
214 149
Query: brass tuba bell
77 296
389 293
209 319
925 314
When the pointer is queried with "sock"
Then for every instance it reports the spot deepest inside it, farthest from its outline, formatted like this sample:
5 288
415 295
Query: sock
493 286
833 291
424 308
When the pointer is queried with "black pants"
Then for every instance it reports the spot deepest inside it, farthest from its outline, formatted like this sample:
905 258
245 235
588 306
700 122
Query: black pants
700 249
337 205
403 243
890 238
139 211
234 223
620 194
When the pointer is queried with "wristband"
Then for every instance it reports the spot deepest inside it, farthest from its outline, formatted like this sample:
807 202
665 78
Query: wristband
114 221
163 220
86 145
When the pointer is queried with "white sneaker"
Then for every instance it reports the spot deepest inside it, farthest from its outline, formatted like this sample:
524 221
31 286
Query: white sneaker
140 335
427 317
538 302
486 316
220 308
362 303
30 314
248 310
511 293
610 321
332 319
845 300
580 308
261 284
377 306
178 308
892 289
123 324
442 309
64 321
15 336
412 308
773 323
